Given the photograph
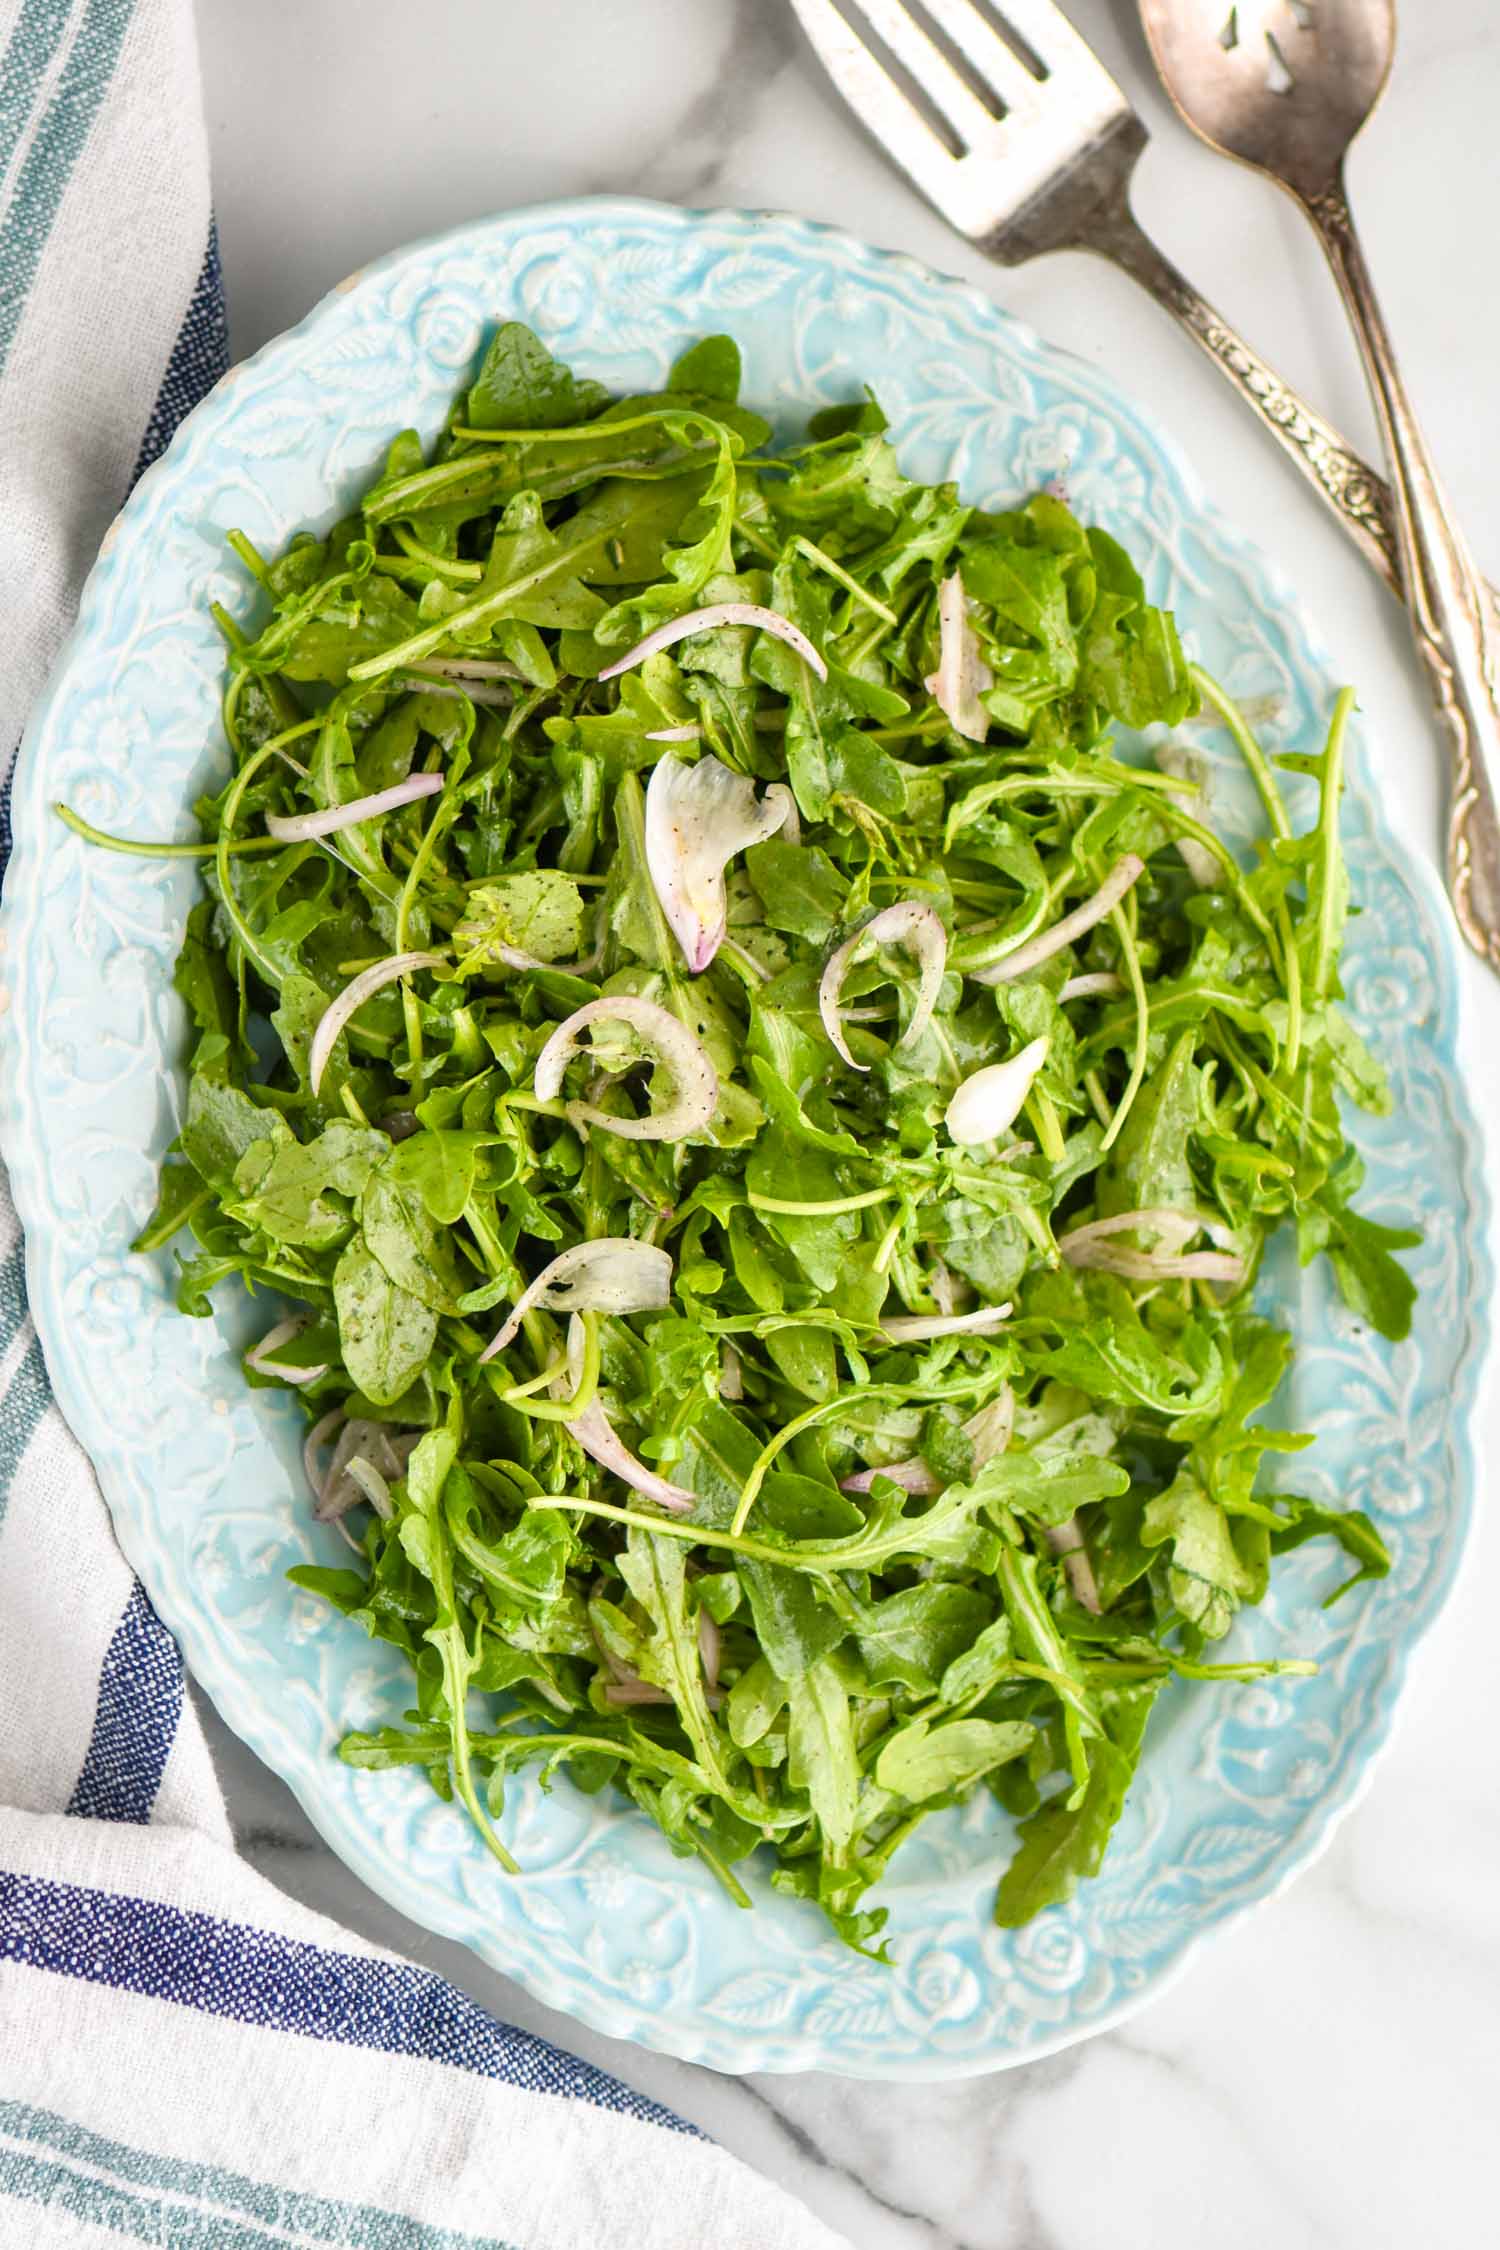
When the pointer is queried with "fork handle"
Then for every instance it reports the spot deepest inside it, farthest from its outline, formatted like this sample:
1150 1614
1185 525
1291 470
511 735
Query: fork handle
1357 494
1452 612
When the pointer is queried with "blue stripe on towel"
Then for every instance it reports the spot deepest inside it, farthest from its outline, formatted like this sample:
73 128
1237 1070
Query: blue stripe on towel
175 2204
28 53
199 357
25 1401
48 164
232 1970
135 1719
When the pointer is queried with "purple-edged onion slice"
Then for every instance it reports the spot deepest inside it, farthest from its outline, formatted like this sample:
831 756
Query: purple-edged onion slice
704 620
593 1431
910 923
306 828
1126 870
697 1082
611 1274
352 999
697 817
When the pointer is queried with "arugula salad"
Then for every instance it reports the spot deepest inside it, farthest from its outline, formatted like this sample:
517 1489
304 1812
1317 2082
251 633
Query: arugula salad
767 1116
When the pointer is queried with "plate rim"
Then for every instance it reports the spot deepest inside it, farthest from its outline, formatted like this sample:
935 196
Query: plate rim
699 2042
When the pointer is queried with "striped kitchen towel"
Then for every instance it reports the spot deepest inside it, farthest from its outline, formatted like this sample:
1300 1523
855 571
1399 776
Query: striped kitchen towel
186 2058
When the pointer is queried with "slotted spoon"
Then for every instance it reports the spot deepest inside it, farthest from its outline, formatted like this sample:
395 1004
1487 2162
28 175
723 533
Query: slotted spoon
1285 85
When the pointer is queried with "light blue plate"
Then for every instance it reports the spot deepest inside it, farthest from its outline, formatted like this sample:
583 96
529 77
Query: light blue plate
1240 1787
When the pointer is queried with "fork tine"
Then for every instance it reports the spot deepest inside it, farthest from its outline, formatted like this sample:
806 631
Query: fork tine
876 99
1050 36
958 106
998 65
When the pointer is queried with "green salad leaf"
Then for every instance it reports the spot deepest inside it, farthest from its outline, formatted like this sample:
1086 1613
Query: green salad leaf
720 1410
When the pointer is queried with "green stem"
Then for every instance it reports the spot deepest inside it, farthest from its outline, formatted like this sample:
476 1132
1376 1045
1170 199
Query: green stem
129 845
1257 762
1132 962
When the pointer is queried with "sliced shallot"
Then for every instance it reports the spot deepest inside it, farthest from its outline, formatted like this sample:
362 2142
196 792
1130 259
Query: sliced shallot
1096 982
704 621
962 674
910 923
697 817
352 999
1126 870
674 734
1090 1246
593 1431
917 1328
989 1101
305 828
988 1432
262 1358
1066 1542
697 1082
610 1274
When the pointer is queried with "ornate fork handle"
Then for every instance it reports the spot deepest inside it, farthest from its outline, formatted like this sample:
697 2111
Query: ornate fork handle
1356 493
1452 609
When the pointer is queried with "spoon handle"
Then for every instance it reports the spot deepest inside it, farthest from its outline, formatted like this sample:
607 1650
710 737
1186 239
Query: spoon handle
1356 493
1452 617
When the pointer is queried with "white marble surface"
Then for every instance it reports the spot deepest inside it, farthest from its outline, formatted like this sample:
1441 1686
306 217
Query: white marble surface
1327 2075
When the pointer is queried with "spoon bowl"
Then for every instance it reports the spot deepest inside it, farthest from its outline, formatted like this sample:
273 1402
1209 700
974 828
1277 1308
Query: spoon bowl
1283 85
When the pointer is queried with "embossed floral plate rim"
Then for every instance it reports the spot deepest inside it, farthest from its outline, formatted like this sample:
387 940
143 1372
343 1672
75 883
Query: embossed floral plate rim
638 1942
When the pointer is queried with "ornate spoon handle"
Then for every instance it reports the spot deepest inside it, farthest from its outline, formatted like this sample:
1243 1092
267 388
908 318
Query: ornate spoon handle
1452 609
1356 493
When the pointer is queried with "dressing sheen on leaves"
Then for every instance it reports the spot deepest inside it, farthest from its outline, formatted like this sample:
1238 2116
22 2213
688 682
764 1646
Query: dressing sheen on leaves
894 1501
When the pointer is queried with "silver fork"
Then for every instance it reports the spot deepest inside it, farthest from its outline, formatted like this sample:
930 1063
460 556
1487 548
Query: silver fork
1030 147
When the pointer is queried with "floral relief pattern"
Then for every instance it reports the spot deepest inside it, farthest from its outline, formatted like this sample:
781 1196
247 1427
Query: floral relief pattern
1240 1787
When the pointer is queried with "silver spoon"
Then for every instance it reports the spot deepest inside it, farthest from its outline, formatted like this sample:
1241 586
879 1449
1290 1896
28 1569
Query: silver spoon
1284 85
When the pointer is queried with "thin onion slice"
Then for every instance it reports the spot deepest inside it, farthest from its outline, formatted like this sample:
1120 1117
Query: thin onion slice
704 620
917 1328
610 1274
262 1358
674 734
372 1485
371 1442
305 828
1089 1246
988 1102
988 1432
1126 870
697 818
962 674
697 1095
352 999
1096 982
907 922
1066 1542
593 1431
317 1438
